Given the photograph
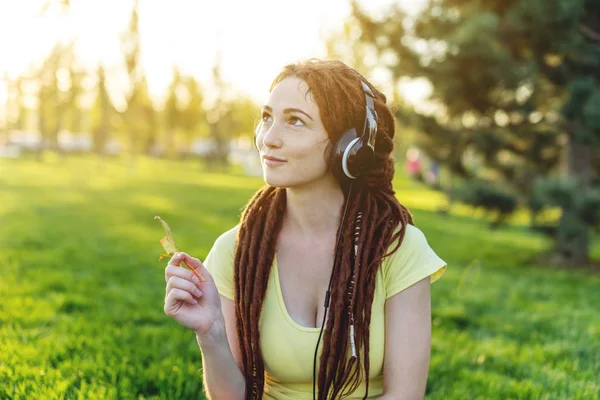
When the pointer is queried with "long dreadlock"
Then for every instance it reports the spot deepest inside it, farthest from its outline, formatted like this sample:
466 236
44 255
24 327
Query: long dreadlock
335 88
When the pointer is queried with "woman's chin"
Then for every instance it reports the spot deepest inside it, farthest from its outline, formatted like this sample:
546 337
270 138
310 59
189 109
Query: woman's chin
275 181
282 180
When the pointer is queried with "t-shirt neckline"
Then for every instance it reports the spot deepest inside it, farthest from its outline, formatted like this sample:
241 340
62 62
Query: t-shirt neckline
284 310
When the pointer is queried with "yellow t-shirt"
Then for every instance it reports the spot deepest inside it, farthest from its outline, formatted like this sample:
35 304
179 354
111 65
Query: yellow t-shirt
288 348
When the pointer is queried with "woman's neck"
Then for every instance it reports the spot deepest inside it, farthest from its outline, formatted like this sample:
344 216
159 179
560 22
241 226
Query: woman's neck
315 210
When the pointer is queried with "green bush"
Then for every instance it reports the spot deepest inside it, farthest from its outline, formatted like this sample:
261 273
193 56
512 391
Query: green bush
555 191
567 195
490 197
589 209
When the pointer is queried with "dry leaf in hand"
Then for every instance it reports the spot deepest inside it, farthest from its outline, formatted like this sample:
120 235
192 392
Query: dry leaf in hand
168 244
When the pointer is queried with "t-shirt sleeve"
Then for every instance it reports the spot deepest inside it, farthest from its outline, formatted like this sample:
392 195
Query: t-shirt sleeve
413 261
219 263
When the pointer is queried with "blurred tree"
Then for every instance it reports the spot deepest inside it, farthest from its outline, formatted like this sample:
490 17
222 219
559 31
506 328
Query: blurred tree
103 113
139 117
345 45
243 114
217 121
517 82
150 128
229 118
498 202
15 112
53 96
193 114
184 110
6 110
173 112
20 119
73 106
55 101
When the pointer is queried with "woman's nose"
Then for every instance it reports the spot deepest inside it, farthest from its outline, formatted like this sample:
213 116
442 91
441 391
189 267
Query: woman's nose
271 137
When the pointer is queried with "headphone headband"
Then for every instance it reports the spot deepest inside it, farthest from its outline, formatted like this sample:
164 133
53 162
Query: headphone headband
370 128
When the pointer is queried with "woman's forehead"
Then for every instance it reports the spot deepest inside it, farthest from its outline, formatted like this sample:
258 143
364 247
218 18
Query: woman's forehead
291 92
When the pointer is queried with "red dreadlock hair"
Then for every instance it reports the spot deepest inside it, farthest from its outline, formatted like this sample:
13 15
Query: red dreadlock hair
337 91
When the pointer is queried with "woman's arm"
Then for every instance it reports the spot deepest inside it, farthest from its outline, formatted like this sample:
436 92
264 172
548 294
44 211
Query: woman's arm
197 305
223 379
408 342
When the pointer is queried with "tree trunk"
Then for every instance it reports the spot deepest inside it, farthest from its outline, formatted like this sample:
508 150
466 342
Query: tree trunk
573 237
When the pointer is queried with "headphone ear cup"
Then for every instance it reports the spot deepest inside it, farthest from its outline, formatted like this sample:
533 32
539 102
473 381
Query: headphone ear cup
339 152
350 159
354 155
361 159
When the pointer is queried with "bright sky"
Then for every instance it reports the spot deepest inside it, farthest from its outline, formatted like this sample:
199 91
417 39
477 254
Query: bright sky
255 38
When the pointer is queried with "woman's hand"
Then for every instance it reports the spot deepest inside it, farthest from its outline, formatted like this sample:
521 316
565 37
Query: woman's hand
194 304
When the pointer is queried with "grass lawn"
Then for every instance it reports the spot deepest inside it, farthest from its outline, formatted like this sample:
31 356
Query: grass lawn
81 290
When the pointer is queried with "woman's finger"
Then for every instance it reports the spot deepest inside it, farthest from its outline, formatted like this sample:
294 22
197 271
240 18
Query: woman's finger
197 265
177 295
173 270
176 259
204 273
183 284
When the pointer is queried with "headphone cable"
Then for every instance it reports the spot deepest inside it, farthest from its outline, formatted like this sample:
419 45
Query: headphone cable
329 288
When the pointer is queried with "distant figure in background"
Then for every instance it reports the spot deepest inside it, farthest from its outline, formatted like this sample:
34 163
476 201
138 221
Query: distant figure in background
414 164
432 177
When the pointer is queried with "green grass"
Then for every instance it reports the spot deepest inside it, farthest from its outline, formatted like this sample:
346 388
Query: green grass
81 290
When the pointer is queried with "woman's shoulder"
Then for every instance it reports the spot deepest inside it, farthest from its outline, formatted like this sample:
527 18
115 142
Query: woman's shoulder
414 245
413 237
226 240
413 261
219 261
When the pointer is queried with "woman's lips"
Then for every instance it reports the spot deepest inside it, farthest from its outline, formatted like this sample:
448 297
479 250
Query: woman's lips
273 161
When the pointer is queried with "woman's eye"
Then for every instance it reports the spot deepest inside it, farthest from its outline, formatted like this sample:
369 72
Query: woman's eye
266 117
296 121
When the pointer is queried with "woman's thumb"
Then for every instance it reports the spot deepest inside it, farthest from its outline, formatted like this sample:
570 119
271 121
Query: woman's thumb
189 260
194 265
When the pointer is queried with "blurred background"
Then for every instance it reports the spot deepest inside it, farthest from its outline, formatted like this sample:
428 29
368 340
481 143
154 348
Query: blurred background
113 112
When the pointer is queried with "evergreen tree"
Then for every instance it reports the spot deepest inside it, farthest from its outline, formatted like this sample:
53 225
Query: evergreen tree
517 82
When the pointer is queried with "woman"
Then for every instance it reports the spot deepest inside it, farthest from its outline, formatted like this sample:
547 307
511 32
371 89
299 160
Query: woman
258 315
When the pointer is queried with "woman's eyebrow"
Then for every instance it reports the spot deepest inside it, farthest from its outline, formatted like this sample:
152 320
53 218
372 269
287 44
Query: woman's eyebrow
291 110
288 111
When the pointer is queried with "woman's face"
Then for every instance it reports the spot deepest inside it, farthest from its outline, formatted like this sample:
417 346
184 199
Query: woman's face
291 130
